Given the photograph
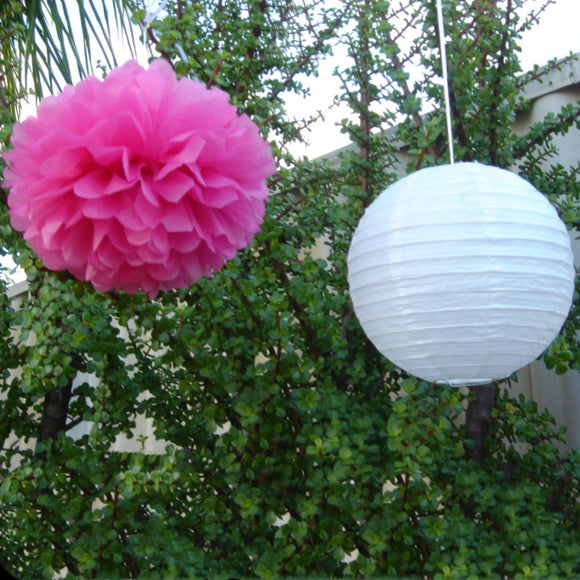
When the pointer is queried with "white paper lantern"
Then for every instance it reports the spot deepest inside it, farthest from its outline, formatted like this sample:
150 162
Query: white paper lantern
461 274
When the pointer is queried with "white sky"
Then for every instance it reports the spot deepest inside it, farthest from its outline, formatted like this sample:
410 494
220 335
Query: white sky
557 34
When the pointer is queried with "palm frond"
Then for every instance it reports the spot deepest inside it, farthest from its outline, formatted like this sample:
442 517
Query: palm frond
62 40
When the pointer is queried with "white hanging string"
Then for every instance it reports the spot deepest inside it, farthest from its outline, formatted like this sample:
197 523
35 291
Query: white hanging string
153 9
445 80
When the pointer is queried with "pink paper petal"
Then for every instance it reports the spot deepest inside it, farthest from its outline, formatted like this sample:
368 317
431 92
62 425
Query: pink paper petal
93 184
173 186
178 218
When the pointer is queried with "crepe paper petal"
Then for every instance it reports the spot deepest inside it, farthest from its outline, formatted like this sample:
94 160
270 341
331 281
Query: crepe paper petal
139 181
174 186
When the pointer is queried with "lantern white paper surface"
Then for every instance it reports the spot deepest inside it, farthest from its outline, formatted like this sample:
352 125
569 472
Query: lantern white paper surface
461 273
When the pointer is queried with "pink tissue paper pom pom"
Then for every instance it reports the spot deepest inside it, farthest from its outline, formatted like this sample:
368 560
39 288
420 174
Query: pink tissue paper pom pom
138 182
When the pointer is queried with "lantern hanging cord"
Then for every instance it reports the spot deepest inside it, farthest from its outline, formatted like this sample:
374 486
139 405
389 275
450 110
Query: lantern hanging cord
445 80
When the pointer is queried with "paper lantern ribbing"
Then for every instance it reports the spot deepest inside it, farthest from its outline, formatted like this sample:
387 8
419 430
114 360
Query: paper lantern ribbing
461 274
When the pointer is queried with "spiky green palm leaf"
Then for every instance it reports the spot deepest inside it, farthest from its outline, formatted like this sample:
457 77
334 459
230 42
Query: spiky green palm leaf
49 43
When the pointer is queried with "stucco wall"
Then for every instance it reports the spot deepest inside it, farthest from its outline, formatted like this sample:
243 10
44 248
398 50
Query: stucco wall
560 394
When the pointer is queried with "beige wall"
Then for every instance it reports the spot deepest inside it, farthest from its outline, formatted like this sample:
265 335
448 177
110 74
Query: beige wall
560 394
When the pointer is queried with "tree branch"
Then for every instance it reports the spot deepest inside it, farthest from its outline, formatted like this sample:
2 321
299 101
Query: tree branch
478 419
55 412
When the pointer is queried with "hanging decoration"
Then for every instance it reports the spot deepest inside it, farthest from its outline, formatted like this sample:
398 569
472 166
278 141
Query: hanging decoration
138 182
461 274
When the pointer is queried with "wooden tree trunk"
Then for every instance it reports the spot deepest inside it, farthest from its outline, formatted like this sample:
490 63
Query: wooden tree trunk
55 412
478 419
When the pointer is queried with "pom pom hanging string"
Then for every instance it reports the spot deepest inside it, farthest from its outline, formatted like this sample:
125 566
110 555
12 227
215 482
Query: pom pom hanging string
152 10
445 80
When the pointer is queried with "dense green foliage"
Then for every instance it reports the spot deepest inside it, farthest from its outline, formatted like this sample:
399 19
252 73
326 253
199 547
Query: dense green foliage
291 448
